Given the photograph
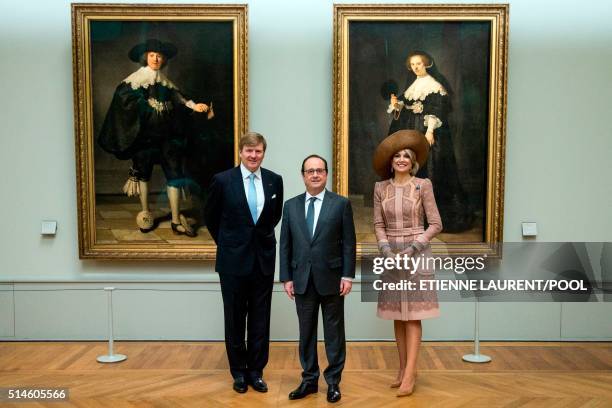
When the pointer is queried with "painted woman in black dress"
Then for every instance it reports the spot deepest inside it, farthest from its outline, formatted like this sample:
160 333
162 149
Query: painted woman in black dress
424 106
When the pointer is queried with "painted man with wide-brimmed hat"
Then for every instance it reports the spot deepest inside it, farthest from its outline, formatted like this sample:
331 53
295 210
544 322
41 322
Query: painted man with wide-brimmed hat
143 124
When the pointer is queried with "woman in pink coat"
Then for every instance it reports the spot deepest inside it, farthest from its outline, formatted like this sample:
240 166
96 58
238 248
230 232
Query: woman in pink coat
403 204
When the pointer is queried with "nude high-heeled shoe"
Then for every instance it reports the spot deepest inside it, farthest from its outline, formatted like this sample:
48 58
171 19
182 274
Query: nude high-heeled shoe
397 383
404 392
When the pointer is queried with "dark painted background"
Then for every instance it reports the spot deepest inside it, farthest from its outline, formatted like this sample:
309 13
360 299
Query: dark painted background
377 54
202 70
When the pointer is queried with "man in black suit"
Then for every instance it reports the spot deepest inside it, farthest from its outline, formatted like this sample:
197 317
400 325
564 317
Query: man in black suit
317 265
243 207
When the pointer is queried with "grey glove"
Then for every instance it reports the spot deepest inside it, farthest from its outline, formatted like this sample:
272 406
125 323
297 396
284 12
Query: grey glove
387 252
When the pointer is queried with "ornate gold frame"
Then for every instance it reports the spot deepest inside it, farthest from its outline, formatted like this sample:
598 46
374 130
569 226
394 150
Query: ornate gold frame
497 15
82 15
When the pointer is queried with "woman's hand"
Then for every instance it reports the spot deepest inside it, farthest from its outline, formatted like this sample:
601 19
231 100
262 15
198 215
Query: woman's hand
408 251
388 253
429 135
201 107
393 101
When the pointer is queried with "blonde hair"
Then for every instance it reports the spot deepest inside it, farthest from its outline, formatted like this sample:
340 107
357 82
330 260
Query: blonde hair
252 139
413 159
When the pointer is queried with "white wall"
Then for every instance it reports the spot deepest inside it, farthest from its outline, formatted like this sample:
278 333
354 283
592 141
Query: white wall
557 168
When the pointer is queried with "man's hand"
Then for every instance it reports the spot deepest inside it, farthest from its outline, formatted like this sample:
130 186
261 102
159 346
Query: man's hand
201 107
289 289
345 287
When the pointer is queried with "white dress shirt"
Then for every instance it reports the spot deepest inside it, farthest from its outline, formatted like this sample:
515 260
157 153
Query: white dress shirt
317 210
258 187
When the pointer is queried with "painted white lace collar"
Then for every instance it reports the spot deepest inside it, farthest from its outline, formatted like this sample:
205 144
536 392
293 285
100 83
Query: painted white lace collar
422 87
146 76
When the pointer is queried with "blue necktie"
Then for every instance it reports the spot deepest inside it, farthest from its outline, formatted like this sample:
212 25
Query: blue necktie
252 198
310 216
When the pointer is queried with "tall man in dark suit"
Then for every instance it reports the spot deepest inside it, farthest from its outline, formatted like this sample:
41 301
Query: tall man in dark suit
243 207
317 265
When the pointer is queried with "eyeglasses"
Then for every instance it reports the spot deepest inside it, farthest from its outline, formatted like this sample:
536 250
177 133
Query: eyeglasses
311 172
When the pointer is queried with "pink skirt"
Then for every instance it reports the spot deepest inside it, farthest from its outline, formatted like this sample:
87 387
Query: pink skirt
407 304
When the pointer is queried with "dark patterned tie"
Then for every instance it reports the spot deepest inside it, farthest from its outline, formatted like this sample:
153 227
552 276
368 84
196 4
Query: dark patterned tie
310 216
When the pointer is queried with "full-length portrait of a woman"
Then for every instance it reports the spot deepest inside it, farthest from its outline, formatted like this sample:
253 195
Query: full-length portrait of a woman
424 106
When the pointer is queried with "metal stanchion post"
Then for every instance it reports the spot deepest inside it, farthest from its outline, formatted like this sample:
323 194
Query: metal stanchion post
476 357
111 357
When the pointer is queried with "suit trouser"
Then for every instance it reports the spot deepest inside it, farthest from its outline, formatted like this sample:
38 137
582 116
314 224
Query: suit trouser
246 306
332 308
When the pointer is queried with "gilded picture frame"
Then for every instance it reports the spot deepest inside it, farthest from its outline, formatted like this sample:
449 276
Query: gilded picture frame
160 100
467 46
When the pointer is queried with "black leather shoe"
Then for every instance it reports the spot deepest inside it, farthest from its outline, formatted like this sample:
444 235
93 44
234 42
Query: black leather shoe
240 385
333 393
182 228
303 390
259 384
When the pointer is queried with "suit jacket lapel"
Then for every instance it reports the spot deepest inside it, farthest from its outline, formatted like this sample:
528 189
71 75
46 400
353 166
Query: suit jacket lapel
327 198
238 187
301 214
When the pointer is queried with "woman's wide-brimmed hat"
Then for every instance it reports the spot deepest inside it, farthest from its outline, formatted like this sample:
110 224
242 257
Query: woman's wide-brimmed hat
400 140
152 45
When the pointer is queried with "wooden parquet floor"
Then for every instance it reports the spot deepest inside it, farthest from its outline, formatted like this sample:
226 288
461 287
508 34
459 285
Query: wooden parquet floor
194 374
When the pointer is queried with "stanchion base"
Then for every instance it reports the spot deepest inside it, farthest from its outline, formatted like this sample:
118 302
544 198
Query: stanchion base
476 358
115 358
